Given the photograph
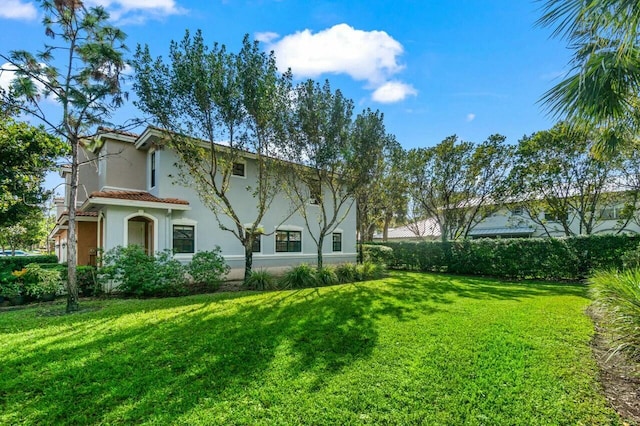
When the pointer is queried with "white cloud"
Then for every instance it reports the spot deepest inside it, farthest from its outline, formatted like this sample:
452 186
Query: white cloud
341 49
16 9
138 11
470 117
393 91
266 37
369 56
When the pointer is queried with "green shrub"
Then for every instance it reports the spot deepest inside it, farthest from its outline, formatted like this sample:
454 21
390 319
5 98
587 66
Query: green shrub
139 274
209 268
369 271
571 258
301 276
618 294
87 280
631 258
326 276
39 281
377 254
346 273
16 263
261 280
10 287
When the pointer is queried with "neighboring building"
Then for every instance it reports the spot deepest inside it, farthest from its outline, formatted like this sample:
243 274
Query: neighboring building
127 195
422 230
514 222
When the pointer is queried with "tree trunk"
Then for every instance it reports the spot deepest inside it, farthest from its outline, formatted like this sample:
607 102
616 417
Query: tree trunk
72 252
248 260
385 230
320 243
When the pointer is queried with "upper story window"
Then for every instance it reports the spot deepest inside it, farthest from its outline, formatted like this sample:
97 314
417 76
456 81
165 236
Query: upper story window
288 241
238 169
315 192
555 216
517 211
610 213
153 169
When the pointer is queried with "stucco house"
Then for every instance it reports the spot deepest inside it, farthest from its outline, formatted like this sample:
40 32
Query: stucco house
514 222
128 195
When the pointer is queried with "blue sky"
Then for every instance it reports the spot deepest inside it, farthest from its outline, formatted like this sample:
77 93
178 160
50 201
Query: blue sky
434 68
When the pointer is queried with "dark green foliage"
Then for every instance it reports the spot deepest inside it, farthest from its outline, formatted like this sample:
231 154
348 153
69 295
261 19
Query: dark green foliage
136 273
261 280
631 259
618 294
88 283
301 276
572 258
39 281
369 271
16 263
377 253
346 273
208 268
326 276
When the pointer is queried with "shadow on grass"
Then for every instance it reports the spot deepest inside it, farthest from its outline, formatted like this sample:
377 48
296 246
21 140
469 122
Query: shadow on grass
113 367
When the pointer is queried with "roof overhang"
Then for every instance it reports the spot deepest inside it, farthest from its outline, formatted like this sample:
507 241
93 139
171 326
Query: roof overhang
94 204
504 231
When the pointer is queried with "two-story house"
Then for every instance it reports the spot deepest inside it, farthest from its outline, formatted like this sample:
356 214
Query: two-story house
128 195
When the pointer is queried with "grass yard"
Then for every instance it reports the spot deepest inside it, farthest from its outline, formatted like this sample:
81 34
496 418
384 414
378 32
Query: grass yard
409 349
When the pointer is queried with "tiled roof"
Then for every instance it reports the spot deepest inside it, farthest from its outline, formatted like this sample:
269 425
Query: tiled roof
136 196
80 213
422 229
103 129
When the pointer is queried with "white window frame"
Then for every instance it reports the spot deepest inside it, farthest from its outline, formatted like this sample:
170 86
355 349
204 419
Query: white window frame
289 228
186 222
243 162
153 158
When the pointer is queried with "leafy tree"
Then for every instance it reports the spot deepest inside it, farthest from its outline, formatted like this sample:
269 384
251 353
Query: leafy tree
81 71
26 154
602 90
376 173
559 182
214 95
320 141
458 184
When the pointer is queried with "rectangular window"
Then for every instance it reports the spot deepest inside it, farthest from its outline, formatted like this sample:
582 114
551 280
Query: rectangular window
183 239
315 192
337 241
255 247
237 169
153 169
555 217
288 241
518 211
609 213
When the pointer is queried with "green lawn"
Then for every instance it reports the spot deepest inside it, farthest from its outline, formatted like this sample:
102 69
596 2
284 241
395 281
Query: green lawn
409 349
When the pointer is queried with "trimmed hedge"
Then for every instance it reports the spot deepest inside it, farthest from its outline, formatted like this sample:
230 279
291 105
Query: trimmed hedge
16 263
571 258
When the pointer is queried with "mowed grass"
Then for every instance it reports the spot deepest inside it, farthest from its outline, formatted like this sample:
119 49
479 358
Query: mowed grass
409 349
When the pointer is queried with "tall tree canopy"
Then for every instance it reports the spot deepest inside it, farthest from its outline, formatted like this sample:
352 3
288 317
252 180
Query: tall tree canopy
26 154
81 71
457 183
602 89
215 96
320 139
559 182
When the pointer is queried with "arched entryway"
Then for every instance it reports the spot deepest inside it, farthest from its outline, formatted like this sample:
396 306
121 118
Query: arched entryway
141 231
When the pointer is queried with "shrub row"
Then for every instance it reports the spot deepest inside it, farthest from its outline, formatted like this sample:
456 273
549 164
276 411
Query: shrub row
305 276
571 258
133 272
16 263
